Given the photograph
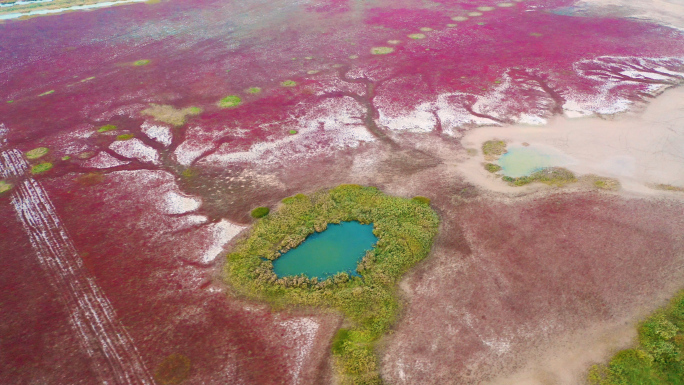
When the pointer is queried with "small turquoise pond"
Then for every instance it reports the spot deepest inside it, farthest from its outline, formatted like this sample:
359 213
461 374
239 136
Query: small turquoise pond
523 161
339 248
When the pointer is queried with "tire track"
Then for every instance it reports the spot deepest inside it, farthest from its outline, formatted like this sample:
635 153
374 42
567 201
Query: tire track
114 357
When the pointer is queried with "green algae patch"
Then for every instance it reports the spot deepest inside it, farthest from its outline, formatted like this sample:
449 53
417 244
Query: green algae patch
87 79
288 83
657 358
41 167
36 153
5 186
230 101
292 132
260 212
417 36
66 157
381 50
142 62
169 114
405 229
106 128
125 137
10 101
47 93
253 90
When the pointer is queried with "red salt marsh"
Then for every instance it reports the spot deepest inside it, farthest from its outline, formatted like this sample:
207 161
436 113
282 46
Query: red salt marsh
152 254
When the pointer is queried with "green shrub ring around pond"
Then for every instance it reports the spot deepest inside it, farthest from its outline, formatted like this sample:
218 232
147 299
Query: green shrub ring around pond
405 229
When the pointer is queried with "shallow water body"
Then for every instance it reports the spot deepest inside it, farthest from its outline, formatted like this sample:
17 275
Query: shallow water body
522 161
337 249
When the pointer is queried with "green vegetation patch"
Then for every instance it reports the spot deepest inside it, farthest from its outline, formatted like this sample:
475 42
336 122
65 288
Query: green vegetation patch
41 167
169 114
554 176
292 132
417 36
142 62
491 167
668 187
420 199
107 127
5 186
260 212
47 93
405 229
230 101
658 357
602 183
254 90
381 50
37 153
288 83
493 149
125 137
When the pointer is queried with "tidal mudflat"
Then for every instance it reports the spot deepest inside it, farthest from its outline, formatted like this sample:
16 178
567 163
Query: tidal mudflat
136 141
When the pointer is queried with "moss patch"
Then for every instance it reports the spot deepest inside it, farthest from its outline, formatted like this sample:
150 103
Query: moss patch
41 167
292 132
5 186
260 212
47 93
107 127
288 83
142 62
37 153
169 114
253 90
230 101
405 229
657 359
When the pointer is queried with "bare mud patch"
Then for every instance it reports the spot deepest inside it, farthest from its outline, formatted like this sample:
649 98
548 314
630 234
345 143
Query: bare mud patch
637 149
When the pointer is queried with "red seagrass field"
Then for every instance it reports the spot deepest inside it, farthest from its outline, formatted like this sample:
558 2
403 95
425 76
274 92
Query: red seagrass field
136 139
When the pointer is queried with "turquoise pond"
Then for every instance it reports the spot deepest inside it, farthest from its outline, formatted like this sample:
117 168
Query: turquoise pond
337 249
523 161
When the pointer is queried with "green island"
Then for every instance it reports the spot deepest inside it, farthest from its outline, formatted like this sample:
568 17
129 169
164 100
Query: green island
657 358
405 229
